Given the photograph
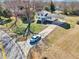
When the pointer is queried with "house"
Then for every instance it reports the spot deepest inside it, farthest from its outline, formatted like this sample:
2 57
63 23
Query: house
43 16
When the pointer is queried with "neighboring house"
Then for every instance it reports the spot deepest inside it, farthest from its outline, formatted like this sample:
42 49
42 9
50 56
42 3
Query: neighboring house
44 16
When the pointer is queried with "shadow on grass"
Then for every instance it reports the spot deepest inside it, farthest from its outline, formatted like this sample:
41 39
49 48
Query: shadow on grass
58 23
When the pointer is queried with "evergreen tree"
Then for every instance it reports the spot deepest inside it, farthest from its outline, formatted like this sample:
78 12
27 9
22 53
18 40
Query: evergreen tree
52 7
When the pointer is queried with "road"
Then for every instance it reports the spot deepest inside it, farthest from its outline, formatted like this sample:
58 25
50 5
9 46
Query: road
9 48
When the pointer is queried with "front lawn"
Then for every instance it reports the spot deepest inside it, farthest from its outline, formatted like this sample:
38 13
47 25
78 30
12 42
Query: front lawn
36 28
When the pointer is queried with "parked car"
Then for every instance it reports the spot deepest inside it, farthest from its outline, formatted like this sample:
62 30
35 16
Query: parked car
35 39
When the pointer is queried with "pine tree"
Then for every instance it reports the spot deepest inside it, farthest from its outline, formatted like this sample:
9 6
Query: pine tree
52 7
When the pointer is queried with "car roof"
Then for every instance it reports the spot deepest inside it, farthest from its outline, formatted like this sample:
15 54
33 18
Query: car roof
36 36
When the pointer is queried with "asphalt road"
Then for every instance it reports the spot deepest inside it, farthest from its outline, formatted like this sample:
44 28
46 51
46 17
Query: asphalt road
9 49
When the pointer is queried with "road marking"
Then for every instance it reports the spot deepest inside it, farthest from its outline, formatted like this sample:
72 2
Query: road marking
3 51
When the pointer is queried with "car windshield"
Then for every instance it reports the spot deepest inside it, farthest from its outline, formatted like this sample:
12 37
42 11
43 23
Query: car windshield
34 37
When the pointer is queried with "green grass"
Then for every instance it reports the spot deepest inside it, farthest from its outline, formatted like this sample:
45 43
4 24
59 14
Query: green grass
37 27
34 27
